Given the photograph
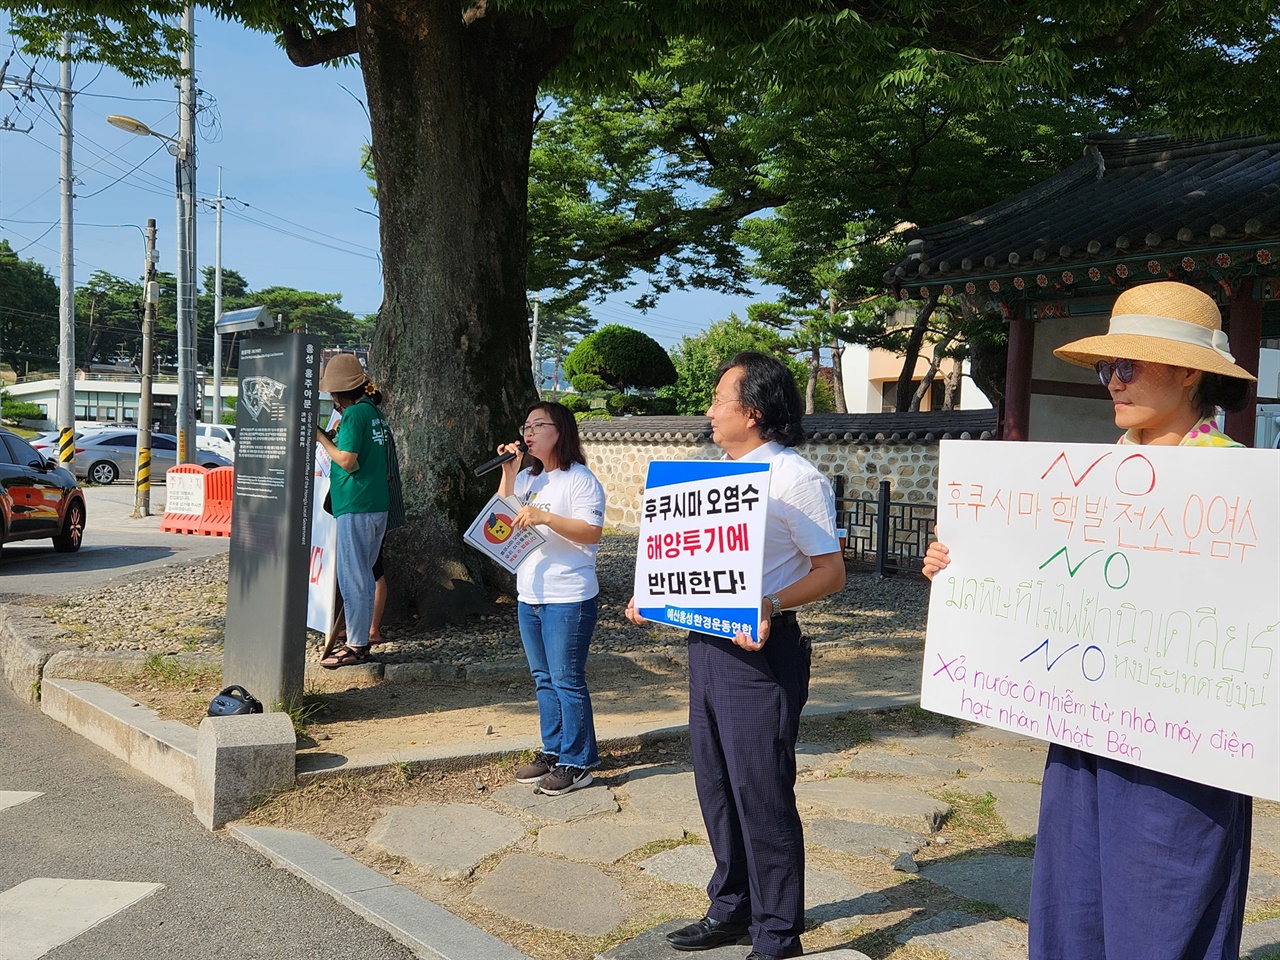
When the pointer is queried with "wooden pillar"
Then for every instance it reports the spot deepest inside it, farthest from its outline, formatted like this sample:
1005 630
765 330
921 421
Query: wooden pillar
1017 383
1245 332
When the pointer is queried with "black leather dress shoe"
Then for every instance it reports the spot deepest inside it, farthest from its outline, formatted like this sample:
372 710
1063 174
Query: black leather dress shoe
707 933
757 955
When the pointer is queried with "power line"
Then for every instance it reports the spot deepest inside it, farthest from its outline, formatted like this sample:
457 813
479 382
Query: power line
301 226
297 236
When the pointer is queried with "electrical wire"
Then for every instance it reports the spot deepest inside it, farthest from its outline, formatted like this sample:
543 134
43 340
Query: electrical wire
239 215
86 196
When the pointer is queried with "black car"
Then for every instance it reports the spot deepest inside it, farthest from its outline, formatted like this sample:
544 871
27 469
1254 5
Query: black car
39 499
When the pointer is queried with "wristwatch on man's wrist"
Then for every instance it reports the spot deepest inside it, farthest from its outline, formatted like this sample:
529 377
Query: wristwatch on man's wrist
775 602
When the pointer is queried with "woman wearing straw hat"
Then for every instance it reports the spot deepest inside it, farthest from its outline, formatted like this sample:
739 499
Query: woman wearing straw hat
1132 864
360 495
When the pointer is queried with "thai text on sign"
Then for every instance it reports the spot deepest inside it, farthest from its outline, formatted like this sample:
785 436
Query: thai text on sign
701 548
1118 599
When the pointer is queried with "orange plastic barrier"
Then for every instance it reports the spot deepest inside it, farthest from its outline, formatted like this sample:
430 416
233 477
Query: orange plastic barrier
176 521
219 486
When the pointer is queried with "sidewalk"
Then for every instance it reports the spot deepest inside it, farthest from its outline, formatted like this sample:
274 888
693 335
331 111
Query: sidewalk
916 830
917 848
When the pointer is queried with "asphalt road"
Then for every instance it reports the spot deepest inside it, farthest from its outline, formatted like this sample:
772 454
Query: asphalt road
115 545
98 820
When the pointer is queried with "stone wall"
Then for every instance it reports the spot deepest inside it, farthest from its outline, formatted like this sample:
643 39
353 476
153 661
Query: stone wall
619 452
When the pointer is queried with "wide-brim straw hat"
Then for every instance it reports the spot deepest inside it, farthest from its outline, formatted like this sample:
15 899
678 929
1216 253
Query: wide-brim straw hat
1164 322
343 372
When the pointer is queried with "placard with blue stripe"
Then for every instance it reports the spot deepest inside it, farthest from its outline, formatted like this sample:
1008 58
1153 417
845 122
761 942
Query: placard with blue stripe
700 556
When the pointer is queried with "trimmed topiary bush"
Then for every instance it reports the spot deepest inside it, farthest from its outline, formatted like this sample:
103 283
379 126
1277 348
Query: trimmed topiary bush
621 404
588 383
660 407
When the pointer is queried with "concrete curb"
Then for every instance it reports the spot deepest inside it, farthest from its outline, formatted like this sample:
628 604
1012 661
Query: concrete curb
25 648
164 750
422 926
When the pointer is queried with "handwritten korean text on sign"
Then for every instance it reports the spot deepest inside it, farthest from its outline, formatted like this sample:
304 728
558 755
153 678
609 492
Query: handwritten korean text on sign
701 547
1118 599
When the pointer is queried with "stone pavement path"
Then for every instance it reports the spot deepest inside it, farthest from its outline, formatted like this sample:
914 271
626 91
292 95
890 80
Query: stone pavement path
886 865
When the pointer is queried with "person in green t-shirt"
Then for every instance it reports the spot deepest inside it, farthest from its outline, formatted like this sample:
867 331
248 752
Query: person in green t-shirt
360 495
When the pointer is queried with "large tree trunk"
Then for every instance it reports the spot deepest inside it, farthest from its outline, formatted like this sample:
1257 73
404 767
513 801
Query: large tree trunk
925 383
837 375
837 363
952 385
814 362
906 379
451 111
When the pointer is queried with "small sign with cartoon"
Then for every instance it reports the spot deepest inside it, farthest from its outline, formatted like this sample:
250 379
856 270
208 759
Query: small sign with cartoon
494 532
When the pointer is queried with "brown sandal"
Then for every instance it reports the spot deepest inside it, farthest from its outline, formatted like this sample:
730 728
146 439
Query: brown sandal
347 657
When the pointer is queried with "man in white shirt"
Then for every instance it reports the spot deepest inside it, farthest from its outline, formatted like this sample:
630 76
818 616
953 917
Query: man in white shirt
745 695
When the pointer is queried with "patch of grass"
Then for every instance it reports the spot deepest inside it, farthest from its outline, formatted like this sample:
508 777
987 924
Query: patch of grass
163 670
847 729
916 719
303 711
973 819
1263 913
661 846
402 771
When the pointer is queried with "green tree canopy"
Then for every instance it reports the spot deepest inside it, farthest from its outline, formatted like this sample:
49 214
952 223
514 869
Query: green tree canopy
452 92
108 320
29 300
559 331
622 357
698 358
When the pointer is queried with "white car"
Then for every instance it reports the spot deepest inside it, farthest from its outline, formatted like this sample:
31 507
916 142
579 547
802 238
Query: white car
217 437
105 456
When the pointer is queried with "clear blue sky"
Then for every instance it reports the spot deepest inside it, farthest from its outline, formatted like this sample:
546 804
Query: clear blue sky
288 141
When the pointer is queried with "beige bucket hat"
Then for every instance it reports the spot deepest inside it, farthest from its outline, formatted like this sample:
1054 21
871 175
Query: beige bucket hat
343 372
1163 322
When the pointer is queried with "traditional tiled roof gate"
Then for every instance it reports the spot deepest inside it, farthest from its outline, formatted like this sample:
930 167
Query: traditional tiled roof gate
1132 209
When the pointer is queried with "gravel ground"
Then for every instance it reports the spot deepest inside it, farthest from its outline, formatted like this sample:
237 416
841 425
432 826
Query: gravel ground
184 609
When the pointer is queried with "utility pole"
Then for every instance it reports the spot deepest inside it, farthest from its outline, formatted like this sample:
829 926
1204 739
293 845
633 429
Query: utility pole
216 203
67 303
533 351
186 228
150 296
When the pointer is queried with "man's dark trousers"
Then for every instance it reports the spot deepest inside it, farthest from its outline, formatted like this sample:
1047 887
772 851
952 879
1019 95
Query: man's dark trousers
744 717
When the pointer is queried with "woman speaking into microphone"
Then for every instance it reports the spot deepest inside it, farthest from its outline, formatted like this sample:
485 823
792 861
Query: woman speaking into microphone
557 591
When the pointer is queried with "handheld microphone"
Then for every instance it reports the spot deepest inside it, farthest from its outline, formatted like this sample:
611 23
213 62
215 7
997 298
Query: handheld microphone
498 461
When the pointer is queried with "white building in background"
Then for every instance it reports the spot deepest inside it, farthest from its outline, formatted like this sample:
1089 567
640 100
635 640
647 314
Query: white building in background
1268 427
113 398
871 381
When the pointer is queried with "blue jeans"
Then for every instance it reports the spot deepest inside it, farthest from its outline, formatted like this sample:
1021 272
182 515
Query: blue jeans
359 537
556 637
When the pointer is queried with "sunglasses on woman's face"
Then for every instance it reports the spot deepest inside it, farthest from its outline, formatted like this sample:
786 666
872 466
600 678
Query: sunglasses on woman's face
1124 369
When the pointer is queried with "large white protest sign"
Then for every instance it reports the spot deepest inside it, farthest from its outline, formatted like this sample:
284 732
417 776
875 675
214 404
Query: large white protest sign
322 587
493 532
701 550
1122 600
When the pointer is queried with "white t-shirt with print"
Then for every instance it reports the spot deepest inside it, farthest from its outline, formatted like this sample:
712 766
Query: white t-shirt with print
560 571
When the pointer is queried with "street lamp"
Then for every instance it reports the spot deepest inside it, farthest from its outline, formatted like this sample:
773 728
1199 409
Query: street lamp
185 171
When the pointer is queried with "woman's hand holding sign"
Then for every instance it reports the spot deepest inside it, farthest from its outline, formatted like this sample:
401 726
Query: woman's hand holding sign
530 516
936 558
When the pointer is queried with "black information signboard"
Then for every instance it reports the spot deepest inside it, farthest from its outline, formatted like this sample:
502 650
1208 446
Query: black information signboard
266 633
